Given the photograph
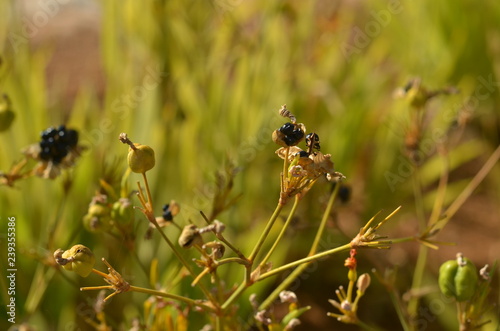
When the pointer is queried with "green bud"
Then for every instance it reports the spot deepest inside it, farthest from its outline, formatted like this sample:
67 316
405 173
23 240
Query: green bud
98 218
123 212
79 259
458 278
141 158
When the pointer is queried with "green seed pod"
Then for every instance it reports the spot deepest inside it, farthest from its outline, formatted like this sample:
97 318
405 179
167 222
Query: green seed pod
123 212
6 114
98 218
80 259
458 278
141 159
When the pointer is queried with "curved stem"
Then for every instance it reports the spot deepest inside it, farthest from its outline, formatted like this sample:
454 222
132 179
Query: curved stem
283 230
171 296
324 219
148 192
311 258
235 294
265 233
297 272
366 326
418 272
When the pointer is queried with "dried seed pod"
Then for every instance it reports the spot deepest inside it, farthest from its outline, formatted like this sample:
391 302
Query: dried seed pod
190 236
312 142
218 249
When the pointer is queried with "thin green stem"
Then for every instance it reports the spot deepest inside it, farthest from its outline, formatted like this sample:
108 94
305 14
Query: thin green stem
148 192
297 272
285 162
233 260
419 201
441 193
307 259
459 201
265 233
418 275
365 326
283 230
418 272
180 258
350 288
403 240
171 296
235 294
399 310
324 219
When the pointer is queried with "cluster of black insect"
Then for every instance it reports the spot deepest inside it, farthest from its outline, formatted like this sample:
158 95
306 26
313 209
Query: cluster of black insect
56 143
167 213
293 134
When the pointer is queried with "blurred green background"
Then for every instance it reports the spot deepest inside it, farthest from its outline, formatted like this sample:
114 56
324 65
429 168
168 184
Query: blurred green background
201 82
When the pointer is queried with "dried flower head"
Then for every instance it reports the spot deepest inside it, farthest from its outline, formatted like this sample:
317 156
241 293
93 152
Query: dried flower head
113 278
303 170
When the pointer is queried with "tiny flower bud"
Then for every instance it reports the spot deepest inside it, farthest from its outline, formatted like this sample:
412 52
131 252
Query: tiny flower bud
288 297
261 317
363 282
78 258
484 273
253 301
98 217
123 211
346 305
